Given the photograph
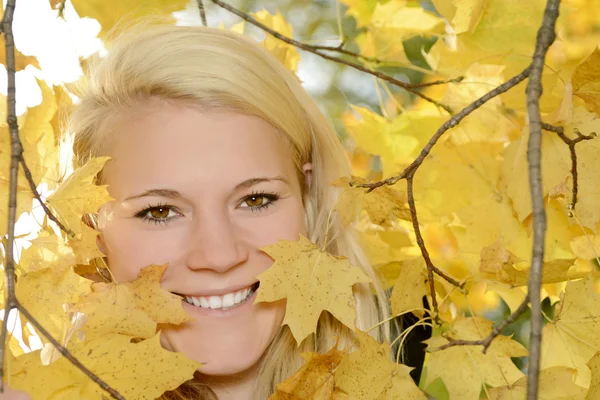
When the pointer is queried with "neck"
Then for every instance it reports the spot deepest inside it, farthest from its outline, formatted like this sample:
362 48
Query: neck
240 386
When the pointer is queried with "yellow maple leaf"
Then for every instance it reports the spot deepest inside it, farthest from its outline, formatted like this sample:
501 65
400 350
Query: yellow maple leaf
109 14
410 288
111 308
84 244
78 195
287 54
121 364
403 21
571 338
396 141
383 205
556 164
369 373
314 380
501 265
44 295
594 366
47 251
555 383
160 305
361 10
586 81
586 247
478 79
470 367
312 281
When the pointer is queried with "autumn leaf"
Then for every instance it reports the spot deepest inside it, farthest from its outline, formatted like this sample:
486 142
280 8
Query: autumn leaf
471 369
410 288
108 14
160 305
312 281
285 53
594 366
314 380
586 81
78 195
84 244
44 293
369 373
383 205
571 339
555 383
121 364
501 265
47 251
111 308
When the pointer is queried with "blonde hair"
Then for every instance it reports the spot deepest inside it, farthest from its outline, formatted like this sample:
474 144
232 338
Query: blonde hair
213 68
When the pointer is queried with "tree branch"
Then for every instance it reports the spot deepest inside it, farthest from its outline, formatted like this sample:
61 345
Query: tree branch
16 150
407 86
66 353
33 188
560 131
408 174
487 341
202 12
545 37
16 157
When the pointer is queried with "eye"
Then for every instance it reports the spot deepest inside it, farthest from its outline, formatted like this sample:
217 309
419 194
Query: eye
158 214
260 200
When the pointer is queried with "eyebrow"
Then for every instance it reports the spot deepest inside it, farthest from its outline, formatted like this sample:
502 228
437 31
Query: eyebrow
173 194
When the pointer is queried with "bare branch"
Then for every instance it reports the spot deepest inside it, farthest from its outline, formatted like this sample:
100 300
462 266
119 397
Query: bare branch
487 341
16 157
39 199
16 150
560 131
545 37
452 122
407 86
66 353
202 12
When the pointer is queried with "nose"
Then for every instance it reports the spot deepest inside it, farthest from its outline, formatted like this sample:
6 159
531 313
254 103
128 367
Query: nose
214 244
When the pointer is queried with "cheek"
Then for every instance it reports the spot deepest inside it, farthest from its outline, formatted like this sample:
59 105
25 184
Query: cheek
130 249
287 224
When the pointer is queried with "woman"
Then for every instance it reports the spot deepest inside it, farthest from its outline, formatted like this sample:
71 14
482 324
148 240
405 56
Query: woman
216 151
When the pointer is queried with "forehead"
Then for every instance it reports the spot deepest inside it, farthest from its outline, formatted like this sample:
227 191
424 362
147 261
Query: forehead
174 144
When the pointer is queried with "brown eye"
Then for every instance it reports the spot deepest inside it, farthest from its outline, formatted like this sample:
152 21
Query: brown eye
159 212
255 201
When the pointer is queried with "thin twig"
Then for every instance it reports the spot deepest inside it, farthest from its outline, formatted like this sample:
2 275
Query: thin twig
66 353
487 341
560 131
16 149
545 37
409 172
202 12
407 86
451 123
424 252
16 157
33 188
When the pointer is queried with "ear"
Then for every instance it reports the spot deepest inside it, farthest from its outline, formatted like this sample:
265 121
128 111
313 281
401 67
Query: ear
307 169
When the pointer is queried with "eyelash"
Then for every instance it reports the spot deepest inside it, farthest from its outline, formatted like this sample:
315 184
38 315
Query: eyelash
143 214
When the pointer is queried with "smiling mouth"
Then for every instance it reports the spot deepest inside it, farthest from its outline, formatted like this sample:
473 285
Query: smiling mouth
223 302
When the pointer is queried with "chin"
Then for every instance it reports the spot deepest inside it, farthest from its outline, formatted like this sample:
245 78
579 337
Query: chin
227 346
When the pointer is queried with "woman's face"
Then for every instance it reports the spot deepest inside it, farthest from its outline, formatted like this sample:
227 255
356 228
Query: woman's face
202 192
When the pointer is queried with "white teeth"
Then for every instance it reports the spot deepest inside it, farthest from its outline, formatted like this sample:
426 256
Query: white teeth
204 302
220 302
215 302
228 300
